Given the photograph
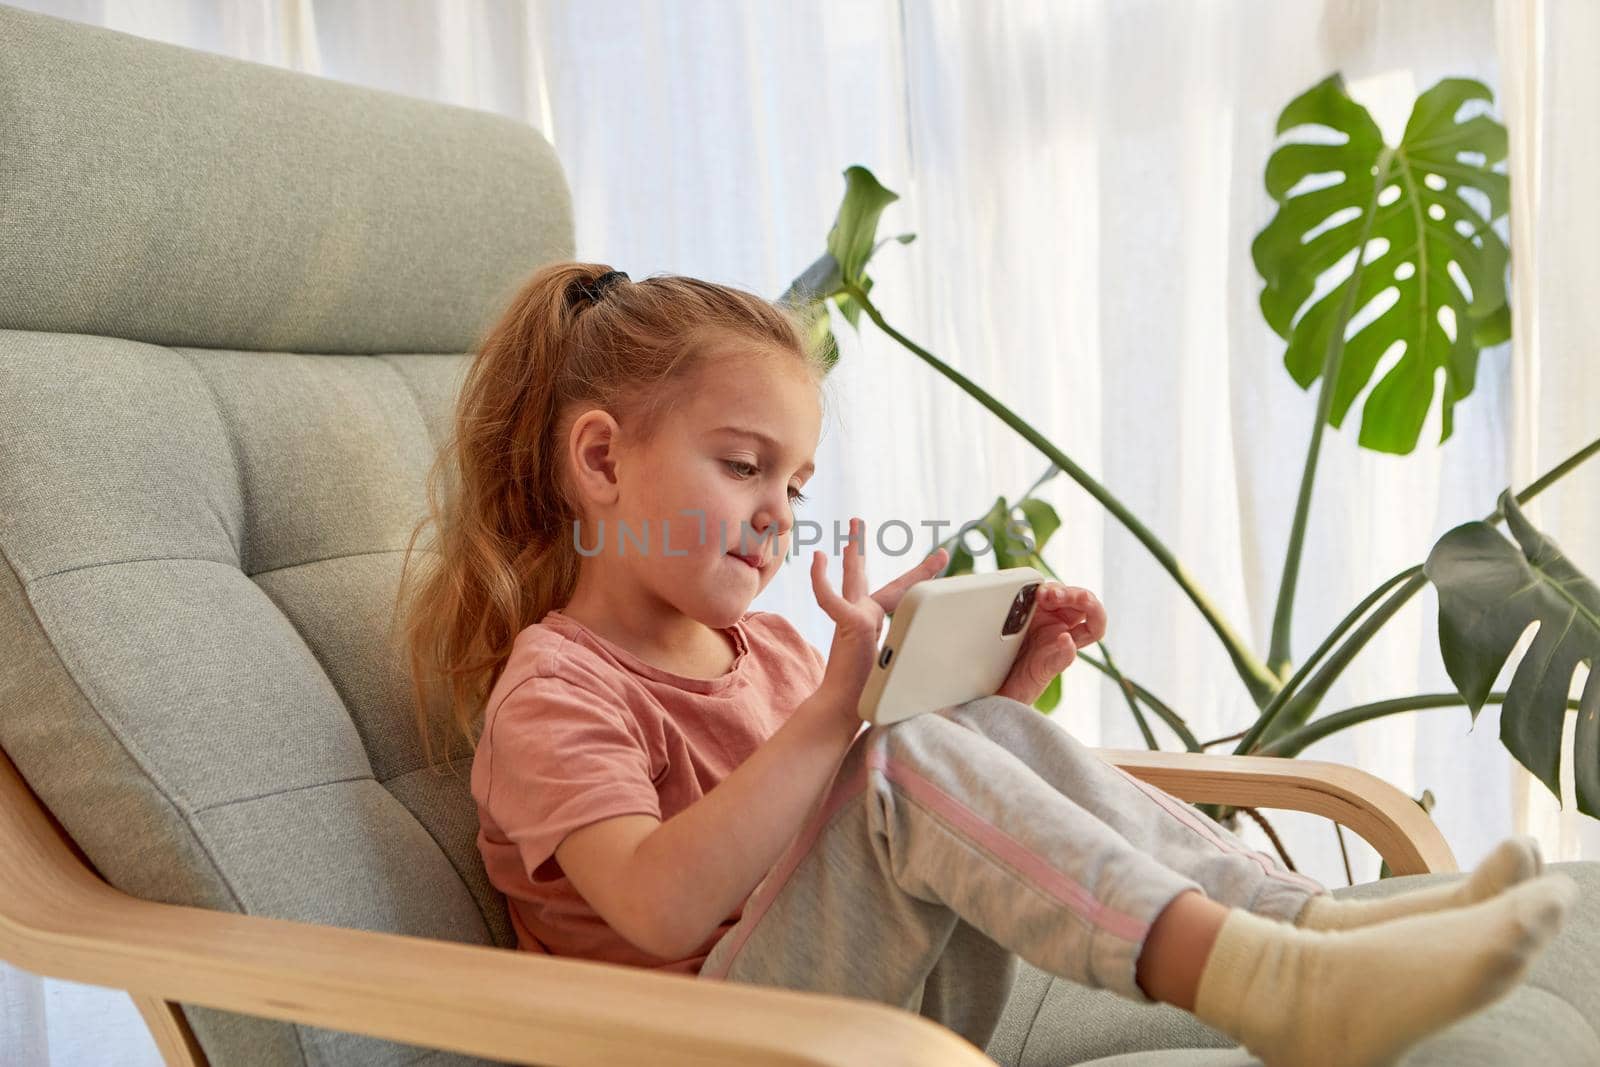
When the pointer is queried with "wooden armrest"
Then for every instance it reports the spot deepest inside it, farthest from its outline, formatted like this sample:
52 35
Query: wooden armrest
1386 818
59 918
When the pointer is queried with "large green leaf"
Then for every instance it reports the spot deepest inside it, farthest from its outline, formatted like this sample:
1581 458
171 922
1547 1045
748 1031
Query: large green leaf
819 330
1409 200
851 245
1489 593
1015 541
1042 520
856 227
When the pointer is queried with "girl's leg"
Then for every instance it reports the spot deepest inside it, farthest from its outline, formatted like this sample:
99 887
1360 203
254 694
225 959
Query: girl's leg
926 825
1177 948
1227 869
969 984
1152 820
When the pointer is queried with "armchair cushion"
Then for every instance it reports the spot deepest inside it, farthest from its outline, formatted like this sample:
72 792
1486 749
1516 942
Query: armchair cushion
172 196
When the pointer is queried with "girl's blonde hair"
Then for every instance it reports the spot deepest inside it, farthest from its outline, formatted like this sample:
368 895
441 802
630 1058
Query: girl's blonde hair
502 553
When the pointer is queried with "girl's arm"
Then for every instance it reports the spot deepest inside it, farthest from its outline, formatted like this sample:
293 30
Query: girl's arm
698 865
709 856
667 886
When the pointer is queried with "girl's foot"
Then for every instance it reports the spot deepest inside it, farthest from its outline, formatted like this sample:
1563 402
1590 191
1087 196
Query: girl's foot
1514 860
1362 997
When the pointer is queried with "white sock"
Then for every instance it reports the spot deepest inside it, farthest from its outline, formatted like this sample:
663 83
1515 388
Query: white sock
1362 997
1514 860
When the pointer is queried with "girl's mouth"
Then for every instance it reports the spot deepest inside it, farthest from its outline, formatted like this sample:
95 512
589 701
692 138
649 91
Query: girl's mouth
753 562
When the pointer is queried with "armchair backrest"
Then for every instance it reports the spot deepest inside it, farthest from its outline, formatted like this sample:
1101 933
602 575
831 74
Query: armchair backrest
235 305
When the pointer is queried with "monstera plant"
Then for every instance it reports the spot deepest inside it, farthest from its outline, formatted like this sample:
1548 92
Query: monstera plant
1375 250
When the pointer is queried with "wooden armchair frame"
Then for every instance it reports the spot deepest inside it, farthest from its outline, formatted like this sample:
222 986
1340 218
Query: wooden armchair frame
59 918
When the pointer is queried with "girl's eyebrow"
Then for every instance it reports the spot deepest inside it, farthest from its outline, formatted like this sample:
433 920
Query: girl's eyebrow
744 431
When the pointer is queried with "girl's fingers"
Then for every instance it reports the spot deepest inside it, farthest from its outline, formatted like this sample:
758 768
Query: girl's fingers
1039 662
855 579
853 586
1094 612
1066 653
1053 649
1062 623
826 597
890 595
931 565
1048 635
1079 607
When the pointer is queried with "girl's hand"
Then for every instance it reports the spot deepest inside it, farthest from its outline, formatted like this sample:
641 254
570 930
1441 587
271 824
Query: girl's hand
858 616
1064 620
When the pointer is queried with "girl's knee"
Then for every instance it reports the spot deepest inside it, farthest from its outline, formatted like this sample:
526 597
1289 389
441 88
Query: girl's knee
1021 728
994 717
933 727
1002 704
996 709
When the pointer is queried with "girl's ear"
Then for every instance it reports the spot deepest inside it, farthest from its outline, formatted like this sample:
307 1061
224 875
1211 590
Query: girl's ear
592 446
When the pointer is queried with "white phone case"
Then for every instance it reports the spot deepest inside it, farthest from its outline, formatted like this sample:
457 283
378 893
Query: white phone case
945 644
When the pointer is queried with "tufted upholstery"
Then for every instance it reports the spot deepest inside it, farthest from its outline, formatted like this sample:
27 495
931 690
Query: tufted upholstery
201 521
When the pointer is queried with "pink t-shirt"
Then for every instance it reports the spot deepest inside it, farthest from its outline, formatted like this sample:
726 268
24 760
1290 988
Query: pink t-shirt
578 729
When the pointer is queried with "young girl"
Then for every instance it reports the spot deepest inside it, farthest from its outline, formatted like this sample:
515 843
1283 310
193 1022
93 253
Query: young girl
667 779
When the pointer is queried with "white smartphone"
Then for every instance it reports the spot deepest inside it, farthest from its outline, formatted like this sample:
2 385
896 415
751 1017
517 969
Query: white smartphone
950 640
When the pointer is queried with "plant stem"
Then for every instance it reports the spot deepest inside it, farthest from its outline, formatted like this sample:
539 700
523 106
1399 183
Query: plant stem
1558 471
1050 472
1302 704
1258 730
1133 703
1294 743
1278 653
1222 740
1350 879
1162 711
1261 683
1272 835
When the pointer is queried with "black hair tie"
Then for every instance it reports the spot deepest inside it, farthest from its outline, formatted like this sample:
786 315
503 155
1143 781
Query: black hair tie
594 290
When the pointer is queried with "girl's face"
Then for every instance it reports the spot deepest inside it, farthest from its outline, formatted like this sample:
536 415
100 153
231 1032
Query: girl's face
727 464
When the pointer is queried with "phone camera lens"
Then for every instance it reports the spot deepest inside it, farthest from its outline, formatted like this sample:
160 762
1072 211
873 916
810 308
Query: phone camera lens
883 657
1021 606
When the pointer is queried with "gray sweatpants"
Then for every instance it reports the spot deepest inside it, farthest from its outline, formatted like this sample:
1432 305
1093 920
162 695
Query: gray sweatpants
949 844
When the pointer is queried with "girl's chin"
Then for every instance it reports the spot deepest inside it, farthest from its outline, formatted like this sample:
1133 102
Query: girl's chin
729 601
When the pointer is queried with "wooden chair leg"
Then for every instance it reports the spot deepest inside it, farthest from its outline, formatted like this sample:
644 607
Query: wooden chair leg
171 1032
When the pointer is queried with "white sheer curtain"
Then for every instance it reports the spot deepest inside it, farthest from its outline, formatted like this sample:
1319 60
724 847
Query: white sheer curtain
1084 180
1551 80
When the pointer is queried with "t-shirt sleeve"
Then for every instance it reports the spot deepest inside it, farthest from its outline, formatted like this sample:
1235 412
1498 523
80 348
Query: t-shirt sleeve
561 757
819 659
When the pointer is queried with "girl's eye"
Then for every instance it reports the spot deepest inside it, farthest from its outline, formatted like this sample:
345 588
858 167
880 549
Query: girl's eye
741 469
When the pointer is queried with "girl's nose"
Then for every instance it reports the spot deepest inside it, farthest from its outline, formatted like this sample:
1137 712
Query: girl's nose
771 521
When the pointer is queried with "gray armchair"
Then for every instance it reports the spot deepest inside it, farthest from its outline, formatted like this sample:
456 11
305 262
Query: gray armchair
235 303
